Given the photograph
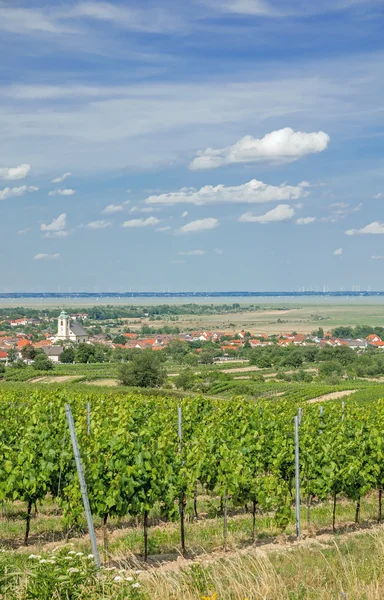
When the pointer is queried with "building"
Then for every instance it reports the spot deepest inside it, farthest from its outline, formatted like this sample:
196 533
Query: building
69 330
54 353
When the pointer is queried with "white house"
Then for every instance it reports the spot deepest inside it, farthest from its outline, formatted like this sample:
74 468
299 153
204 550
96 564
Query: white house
70 331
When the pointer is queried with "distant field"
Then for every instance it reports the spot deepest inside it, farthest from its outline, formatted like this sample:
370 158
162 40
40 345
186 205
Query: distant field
302 318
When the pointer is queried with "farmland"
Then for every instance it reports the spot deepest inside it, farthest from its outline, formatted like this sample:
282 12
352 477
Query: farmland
232 476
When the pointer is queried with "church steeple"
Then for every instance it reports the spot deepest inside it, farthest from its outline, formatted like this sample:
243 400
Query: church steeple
63 325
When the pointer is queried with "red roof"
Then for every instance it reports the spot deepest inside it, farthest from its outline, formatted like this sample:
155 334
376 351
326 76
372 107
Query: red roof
3 354
23 343
131 336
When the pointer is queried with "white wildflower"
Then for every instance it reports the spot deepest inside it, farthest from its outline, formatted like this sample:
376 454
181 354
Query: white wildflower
90 556
136 585
73 570
51 561
138 572
42 561
68 557
118 578
129 579
31 556
2 550
79 553
71 552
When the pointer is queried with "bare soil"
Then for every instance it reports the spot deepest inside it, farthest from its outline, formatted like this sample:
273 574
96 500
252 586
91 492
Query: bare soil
332 396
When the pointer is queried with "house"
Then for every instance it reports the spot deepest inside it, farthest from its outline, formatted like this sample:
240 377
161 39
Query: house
3 356
53 352
70 331
372 338
358 344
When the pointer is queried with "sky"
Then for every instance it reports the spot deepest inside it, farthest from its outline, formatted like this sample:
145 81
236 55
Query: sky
207 145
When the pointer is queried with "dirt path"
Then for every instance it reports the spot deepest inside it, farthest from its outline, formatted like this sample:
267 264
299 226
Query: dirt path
55 379
332 396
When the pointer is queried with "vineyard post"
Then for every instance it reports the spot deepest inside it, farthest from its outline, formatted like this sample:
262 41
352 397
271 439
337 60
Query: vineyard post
300 415
182 496
88 418
297 477
83 485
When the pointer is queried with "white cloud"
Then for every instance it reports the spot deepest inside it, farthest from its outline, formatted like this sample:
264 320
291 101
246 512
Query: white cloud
305 220
61 178
218 251
150 221
142 209
281 146
192 253
338 252
253 192
199 225
46 256
167 228
58 224
12 173
282 212
57 234
111 209
23 231
373 228
153 20
185 214
67 192
377 257
23 20
278 9
378 196
98 224
16 191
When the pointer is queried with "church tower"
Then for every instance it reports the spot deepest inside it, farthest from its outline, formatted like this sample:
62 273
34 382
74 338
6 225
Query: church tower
63 326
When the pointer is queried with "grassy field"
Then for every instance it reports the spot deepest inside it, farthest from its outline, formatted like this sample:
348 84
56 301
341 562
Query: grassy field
302 318
322 566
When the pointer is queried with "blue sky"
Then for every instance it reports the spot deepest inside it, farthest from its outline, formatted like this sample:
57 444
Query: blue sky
200 145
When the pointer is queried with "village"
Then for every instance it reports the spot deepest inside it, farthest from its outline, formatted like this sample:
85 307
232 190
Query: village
22 338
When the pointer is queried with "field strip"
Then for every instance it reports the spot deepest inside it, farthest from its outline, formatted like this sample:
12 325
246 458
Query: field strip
107 382
332 396
55 379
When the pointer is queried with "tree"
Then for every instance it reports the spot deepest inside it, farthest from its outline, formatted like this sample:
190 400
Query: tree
12 355
120 339
2 369
28 352
330 368
83 353
144 370
185 380
42 363
67 356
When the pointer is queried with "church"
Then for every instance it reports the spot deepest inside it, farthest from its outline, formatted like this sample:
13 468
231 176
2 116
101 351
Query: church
70 331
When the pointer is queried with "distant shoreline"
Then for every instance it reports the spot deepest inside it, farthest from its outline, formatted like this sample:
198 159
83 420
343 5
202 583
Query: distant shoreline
233 294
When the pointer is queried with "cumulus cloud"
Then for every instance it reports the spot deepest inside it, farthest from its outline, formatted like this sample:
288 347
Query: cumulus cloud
16 191
111 209
185 214
142 209
11 173
23 231
57 234
282 212
282 146
46 256
253 192
150 221
374 228
58 224
98 224
192 253
338 252
67 192
61 178
199 225
305 220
